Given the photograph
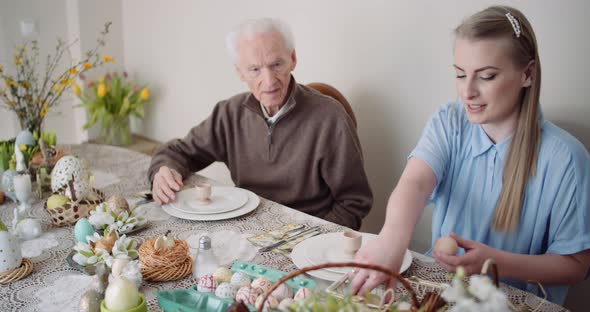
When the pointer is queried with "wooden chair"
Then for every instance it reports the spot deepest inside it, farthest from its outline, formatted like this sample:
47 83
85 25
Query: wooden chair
330 91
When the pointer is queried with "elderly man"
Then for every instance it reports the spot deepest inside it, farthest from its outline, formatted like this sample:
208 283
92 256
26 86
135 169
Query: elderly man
281 140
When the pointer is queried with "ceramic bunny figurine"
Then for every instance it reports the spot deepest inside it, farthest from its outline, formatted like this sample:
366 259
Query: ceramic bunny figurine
10 253
91 299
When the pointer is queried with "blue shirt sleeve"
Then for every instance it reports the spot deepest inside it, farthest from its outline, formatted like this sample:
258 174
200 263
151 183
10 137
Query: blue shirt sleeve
569 228
436 143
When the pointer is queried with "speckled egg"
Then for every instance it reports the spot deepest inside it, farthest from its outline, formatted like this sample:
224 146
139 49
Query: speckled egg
117 204
240 279
270 303
225 290
82 229
282 292
303 293
222 275
207 284
247 295
261 284
285 304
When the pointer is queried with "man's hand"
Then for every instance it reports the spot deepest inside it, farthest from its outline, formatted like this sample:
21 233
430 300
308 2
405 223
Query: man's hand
166 182
472 260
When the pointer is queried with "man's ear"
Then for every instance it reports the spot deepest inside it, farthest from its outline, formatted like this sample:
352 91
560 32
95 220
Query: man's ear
528 74
293 59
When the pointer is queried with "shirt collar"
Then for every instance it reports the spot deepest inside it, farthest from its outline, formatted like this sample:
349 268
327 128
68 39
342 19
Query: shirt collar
274 118
253 104
481 143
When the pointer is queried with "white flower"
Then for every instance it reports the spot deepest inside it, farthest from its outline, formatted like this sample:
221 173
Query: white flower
125 248
465 305
455 292
86 255
481 287
101 217
480 295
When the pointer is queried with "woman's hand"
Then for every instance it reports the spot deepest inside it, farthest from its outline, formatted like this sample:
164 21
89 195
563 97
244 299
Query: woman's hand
376 252
472 260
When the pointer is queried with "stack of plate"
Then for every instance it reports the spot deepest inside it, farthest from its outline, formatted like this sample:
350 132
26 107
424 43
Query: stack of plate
225 203
327 248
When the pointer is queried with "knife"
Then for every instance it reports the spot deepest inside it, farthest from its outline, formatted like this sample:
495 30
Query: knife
284 241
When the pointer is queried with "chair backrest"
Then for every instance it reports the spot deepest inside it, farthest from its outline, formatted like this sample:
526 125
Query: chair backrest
330 91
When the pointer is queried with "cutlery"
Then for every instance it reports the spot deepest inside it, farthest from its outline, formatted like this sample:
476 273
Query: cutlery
291 238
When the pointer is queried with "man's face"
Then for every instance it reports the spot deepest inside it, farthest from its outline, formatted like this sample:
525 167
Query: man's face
265 65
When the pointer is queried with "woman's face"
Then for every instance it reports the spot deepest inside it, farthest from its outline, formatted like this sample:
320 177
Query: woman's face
489 84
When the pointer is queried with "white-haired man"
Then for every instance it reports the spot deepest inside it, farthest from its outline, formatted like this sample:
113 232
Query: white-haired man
281 140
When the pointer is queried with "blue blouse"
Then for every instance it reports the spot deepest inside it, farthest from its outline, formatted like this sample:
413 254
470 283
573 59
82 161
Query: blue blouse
555 217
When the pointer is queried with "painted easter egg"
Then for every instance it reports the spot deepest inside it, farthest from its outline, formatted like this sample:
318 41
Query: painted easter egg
82 229
207 284
225 290
247 295
222 275
240 279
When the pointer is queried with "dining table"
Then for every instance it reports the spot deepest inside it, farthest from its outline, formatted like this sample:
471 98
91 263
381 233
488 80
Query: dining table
54 285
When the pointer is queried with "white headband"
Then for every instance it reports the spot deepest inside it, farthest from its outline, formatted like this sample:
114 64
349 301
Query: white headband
515 24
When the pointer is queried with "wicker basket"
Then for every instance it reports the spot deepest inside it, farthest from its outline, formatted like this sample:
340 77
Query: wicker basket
414 299
70 213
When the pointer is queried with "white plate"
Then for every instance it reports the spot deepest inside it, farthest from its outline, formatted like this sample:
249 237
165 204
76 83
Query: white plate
223 199
251 204
324 248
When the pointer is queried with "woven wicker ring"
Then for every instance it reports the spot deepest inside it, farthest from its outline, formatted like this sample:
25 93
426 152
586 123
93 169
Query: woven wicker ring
25 269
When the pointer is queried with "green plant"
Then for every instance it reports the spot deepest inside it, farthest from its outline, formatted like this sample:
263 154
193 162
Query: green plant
6 153
110 101
30 94
49 138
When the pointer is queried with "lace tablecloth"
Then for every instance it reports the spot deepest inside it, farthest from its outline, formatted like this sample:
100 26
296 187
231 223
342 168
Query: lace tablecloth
55 286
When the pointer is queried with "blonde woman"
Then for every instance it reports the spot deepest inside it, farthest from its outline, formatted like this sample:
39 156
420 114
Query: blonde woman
506 183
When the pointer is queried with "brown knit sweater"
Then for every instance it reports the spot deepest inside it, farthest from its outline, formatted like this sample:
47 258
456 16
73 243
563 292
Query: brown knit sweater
310 159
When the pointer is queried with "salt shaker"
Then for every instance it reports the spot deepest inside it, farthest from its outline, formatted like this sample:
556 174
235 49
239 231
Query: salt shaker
205 262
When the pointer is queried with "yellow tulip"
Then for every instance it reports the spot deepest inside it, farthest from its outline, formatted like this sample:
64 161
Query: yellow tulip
101 90
145 94
87 65
44 110
22 147
76 89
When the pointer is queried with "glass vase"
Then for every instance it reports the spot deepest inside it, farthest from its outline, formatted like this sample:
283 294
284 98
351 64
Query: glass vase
117 132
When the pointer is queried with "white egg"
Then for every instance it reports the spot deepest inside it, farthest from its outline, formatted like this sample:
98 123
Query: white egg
446 245
121 295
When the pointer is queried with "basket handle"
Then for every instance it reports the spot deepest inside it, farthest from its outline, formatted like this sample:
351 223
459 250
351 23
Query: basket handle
494 267
381 269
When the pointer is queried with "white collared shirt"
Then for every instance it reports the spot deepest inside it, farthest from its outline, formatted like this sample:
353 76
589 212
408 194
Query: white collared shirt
271 120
